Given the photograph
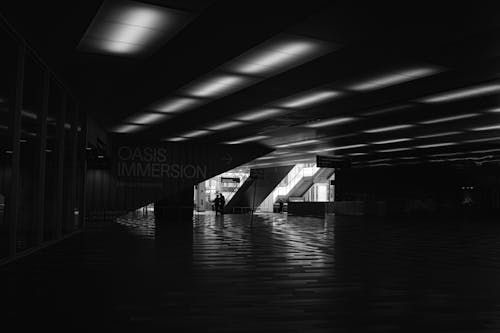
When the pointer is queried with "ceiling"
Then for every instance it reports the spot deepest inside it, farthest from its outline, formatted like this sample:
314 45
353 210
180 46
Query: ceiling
405 121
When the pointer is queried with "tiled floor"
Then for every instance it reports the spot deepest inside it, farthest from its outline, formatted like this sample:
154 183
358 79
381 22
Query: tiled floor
343 274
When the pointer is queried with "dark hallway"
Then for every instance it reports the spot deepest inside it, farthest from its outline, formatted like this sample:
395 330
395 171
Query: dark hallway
249 166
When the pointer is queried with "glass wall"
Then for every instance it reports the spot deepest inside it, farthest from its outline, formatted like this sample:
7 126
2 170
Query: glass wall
41 145
8 66
69 207
27 233
54 114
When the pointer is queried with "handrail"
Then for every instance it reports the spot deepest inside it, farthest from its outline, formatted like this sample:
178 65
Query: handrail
303 172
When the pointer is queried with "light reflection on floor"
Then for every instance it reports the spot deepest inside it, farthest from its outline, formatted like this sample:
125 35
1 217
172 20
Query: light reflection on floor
280 274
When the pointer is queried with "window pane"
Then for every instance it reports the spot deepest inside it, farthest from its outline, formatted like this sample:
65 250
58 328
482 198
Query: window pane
8 66
51 168
28 177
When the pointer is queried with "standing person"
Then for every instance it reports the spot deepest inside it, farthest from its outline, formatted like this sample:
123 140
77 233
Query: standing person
222 202
281 205
217 204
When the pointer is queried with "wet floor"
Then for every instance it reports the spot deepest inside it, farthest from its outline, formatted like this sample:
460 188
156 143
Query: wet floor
277 274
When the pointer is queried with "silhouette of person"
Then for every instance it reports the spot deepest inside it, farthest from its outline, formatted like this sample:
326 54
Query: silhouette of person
222 202
217 204
281 206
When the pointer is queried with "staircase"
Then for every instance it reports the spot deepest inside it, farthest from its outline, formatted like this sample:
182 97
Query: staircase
301 181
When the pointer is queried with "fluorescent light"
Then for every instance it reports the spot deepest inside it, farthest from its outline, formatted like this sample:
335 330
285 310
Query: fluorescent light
175 139
266 158
470 158
319 150
394 78
261 114
195 133
483 139
127 128
310 98
486 128
350 146
445 119
380 160
462 93
357 154
437 135
275 56
224 125
147 118
216 86
337 148
495 110
446 154
330 122
391 141
444 144
177 104
129 27
485 151
387 110
394 150
248 139
389 128
299 143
